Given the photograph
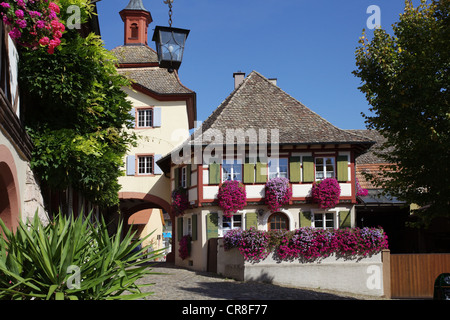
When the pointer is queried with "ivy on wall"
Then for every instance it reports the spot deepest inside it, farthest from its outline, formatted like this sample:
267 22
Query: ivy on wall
75 112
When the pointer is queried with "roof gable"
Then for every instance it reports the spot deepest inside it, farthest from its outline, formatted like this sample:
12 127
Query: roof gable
259 104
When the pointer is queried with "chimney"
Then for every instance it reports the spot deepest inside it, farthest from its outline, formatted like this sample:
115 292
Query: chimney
273 80
238 78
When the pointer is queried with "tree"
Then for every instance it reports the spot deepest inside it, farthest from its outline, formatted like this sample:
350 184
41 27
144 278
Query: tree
75 113
406 80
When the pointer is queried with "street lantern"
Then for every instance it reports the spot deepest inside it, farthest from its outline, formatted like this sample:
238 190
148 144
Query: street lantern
170 43
170 46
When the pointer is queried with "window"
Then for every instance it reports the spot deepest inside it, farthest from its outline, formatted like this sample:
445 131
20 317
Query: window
325 168
189 226
278 168
324 220
278 221
231 171
183 177
233 222
134 31
145 165
145 118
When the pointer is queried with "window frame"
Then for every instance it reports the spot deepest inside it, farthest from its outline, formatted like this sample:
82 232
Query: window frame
183 177
152 168
324 165
275 215
134 31
236 163
145 124
324 220
233 223
278 171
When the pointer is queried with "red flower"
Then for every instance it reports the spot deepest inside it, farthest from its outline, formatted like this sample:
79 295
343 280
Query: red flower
44 41
53 6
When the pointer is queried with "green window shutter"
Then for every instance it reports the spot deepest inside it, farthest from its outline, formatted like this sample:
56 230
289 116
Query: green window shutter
214 173
194 227
179 228
342 168
212 225
345 220
294 169
261 172
308 169
176 177
305 219
188 176
251 220
249 172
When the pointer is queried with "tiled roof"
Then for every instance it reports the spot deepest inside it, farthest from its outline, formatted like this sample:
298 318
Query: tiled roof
140 64
135 54
156 79
370 157
259 103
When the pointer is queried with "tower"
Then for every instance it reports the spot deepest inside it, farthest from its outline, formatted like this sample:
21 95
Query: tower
136 20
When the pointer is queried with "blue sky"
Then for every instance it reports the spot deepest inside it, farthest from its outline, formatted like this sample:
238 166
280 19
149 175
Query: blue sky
309 46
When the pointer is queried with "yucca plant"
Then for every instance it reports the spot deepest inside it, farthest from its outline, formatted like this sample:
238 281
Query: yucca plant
71 258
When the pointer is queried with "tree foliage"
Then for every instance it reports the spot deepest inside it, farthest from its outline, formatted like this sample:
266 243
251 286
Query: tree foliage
75 113
406 80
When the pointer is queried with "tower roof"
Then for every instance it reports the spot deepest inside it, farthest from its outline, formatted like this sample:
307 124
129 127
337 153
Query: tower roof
135 5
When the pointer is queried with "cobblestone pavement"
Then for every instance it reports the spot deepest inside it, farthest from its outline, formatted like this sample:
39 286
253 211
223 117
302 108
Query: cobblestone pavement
183 284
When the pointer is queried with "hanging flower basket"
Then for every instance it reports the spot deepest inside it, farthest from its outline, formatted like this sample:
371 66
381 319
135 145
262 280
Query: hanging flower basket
180 201
278 192
326 193
33 23
185 247
232 197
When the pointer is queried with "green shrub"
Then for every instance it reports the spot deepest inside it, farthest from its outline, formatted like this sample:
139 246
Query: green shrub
45 262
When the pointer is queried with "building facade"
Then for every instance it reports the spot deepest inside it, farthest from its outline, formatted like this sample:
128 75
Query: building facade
285 139
163 110
20 195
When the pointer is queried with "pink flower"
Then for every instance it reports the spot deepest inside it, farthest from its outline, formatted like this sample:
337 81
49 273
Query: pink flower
44 41
232 197
5 5
15 33
19 14
21 23
34 14
6 20
53 6
40 24
55 42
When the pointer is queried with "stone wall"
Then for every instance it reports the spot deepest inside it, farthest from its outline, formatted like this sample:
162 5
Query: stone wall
32 199
366 276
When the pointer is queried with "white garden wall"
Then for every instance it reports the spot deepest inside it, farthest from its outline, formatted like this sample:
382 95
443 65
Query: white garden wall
366 276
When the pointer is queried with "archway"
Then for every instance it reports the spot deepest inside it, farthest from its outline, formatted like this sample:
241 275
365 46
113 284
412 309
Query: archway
9 190
132 203
278 221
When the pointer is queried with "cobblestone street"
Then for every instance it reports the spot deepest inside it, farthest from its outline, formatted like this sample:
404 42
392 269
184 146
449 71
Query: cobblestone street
183 284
